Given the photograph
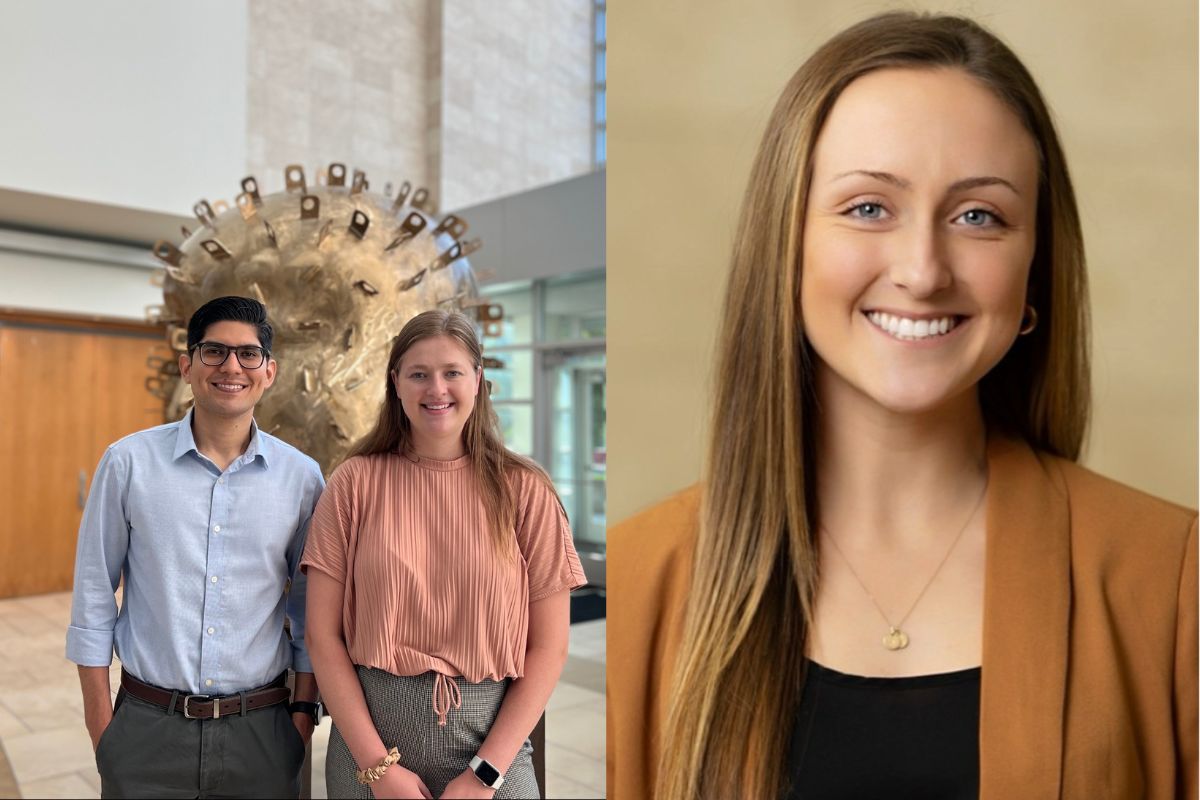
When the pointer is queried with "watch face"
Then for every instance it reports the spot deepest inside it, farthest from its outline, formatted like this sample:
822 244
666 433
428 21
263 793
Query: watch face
487 773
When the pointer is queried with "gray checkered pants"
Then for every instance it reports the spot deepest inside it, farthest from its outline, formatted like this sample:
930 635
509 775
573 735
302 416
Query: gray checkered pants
401 707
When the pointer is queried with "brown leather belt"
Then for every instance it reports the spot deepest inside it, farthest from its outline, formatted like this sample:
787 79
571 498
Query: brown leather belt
203 706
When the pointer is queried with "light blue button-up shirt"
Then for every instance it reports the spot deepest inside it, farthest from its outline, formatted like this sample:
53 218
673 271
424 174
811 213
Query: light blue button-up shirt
205 555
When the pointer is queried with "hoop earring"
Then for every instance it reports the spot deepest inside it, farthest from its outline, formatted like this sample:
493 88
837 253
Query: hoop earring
1029 320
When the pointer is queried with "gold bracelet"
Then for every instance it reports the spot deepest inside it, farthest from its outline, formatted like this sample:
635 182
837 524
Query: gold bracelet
372 774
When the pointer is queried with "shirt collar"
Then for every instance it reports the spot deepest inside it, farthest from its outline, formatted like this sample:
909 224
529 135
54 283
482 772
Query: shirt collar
259 447
185 441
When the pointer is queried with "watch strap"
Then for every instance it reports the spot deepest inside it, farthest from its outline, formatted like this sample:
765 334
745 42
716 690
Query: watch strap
306 707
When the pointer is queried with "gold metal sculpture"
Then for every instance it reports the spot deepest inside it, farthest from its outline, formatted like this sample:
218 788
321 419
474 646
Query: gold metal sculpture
340 270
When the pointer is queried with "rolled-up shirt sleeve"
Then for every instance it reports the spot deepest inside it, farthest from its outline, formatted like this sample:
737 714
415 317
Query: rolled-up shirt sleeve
298 593
99 558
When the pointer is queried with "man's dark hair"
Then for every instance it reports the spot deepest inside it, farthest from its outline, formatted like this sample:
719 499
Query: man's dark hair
230 309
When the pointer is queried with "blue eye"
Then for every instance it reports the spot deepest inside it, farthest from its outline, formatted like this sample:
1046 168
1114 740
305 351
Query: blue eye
979 218
868 211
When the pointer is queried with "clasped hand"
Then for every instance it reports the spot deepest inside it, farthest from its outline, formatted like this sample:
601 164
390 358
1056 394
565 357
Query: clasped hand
402 783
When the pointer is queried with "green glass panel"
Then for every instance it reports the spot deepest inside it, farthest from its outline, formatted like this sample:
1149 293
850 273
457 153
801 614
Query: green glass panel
575 311
513 381
517 324
516 425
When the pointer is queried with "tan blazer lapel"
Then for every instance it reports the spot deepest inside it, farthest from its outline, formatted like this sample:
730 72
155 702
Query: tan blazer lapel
1026 610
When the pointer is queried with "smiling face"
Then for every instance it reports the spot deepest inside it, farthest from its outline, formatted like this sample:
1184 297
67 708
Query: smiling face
437 384
228 391
918 238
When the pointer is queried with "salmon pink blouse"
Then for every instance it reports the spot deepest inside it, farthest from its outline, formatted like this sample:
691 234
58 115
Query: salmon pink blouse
426 588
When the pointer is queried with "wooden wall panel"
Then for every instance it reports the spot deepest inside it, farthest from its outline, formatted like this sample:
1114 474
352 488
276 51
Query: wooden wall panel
122 405
45 379
64 395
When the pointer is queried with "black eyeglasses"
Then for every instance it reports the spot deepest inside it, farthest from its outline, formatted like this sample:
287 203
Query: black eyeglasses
214 354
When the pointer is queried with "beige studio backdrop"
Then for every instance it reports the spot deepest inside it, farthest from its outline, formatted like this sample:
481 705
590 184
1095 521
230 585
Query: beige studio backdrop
691 85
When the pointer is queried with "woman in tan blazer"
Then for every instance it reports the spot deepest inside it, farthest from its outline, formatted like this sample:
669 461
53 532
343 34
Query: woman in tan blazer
895 580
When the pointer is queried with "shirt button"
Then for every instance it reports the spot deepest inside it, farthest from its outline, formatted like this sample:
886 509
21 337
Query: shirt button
212 630
208 682
216 528
214 579
220 480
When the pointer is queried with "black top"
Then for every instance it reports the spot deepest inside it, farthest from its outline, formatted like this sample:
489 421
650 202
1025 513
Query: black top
859 738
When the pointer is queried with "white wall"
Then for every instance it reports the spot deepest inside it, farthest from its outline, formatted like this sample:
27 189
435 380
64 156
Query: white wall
139 103
48 273
540 233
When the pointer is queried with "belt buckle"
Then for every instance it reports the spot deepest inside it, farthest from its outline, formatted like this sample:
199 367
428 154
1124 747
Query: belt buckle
187 714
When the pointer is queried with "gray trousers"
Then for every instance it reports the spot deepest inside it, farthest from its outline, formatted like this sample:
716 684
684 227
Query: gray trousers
146 752
401 707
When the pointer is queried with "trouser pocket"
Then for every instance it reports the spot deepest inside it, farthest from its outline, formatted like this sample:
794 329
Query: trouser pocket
109 731
146 753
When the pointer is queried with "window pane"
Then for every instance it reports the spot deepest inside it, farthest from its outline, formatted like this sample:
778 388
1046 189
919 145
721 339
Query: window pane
600 59
517 325
575 311
600 111
515 380
600 27
601 146
578 441
516 425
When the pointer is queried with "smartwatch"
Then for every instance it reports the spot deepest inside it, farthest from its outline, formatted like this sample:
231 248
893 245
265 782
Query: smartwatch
488 775
314 710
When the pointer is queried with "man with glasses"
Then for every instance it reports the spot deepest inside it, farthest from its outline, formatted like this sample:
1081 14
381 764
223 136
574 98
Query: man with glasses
205 519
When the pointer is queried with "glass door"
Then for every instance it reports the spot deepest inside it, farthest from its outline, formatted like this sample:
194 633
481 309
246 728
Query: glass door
576 447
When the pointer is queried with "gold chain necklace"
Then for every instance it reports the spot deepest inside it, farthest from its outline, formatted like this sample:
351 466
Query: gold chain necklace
896 638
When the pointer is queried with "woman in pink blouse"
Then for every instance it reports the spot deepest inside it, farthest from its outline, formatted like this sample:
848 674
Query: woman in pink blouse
439 566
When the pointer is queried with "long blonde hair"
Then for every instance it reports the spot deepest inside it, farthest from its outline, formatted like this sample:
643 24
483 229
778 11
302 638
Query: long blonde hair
490 459
739 668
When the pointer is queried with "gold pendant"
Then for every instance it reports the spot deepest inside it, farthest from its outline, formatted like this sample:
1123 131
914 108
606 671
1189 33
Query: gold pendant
895 639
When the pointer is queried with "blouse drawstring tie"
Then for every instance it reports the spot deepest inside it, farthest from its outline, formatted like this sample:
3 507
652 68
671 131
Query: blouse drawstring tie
445 696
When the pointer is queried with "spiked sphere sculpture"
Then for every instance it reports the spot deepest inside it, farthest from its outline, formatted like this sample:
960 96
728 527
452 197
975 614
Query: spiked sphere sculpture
340 270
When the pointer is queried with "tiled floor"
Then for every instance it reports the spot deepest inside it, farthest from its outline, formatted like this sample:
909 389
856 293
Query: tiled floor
50 755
